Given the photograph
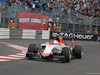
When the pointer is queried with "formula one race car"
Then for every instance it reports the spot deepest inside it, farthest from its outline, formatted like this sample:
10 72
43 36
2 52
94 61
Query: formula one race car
59 51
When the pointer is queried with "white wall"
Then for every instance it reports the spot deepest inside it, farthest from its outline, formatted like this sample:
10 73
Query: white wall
4 33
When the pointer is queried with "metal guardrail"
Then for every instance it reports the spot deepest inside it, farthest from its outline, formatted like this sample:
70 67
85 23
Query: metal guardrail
73 21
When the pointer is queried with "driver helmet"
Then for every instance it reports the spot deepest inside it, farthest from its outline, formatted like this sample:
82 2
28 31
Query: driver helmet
55 42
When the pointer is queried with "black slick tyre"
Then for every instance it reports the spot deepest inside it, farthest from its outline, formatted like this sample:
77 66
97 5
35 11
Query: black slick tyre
32 48
78 51
66 54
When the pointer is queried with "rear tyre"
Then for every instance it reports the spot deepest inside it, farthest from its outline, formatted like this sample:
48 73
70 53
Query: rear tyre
78 51
66 54
31 49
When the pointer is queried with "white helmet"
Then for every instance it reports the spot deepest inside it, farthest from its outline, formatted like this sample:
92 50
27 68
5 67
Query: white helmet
55 42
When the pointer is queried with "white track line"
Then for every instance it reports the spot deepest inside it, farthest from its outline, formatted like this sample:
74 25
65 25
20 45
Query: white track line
10 57
3 60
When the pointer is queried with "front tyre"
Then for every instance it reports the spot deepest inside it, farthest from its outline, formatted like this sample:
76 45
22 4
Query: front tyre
66 54
31 50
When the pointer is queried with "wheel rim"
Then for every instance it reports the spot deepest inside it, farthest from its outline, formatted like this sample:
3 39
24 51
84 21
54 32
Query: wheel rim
81 53
69 55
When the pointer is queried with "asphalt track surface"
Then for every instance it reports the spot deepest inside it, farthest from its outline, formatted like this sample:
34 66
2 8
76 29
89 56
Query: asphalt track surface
88 65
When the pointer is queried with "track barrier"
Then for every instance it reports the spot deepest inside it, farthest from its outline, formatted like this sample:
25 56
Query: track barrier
76 36
6 33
